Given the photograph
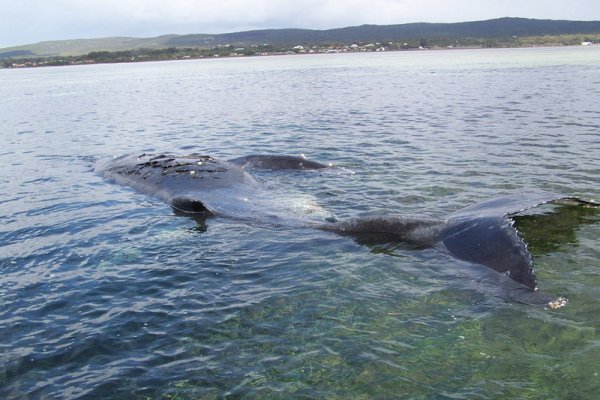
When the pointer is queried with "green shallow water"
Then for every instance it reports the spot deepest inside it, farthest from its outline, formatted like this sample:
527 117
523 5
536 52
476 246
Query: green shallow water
106 293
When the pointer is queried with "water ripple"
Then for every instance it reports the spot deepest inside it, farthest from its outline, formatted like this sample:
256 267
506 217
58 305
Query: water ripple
106 293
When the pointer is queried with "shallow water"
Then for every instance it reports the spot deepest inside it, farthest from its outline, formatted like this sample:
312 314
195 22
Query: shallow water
106 293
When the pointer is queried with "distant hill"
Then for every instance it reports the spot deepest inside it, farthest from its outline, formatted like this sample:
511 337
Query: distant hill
501 27
83 46
494 28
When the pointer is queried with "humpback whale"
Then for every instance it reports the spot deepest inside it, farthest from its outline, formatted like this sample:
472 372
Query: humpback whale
483 233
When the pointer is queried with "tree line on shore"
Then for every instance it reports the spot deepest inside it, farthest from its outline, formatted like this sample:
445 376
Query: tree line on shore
178 53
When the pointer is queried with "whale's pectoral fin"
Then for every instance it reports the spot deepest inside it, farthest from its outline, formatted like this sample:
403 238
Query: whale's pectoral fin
493 242
275 162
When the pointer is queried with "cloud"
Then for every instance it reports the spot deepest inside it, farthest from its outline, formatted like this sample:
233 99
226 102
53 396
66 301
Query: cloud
26 21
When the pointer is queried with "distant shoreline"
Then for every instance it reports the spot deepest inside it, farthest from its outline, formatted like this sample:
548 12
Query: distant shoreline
175 54
506 32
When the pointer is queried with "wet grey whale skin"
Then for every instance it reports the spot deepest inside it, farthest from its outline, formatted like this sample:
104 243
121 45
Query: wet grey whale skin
181 181
482 233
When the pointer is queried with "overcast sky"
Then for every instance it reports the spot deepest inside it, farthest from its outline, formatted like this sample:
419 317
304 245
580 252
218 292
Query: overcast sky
29 21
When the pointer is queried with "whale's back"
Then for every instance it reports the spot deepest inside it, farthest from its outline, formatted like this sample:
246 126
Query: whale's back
185 182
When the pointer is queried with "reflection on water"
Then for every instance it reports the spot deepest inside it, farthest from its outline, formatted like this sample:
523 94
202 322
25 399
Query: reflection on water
547 231
106 293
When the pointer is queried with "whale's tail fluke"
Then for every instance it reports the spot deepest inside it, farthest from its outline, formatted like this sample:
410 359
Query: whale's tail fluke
483 233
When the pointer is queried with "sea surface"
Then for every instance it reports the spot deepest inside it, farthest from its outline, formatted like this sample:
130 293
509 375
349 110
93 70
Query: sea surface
106 293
